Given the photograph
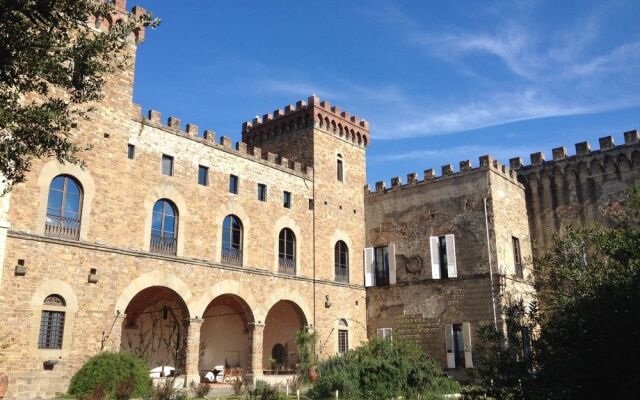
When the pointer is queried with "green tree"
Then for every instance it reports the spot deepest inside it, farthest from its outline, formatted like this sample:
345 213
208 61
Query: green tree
586 334
52 63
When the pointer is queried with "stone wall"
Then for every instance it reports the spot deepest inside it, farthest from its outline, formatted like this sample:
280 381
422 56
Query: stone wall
579 189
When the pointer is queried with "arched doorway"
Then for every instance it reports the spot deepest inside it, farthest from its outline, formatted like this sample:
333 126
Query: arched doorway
224 336
155 329
279 353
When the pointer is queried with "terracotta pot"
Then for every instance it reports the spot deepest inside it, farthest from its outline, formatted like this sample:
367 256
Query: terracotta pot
4 384
313 374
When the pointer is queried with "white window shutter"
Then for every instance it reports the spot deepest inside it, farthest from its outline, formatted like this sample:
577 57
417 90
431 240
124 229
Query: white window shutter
435 257
380 333
369 260
452 268
466 334
451 356
392 263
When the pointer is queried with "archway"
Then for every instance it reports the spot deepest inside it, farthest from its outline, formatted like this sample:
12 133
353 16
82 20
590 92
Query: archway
155 329
224 336
279 353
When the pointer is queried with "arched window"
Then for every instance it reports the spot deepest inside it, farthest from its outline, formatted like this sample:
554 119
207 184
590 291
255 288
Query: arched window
339 168
287 252
232 240
64 208
342 261
343 336
52 323
164 228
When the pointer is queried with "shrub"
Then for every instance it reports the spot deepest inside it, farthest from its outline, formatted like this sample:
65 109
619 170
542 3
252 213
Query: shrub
201 390
108 371
263 391
381 369
124 390
164 390
238 387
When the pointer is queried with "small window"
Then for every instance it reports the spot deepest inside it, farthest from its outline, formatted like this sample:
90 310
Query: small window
287 200
385 333
233 184
203 175
458 344
517 257
311 205
52 323
167 165
339 168
343 341
341 262
444 270
381 255
262 192
131 151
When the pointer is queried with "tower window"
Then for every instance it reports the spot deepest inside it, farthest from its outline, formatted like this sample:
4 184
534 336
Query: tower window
286 201
339 168
203 175
233 184
262 192
131 151
167 165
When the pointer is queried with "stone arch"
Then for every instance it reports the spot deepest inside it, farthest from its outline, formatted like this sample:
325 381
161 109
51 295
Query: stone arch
353 136
286 221
285 294
151 279
164 191
340 130
231 208
365 140
63 289
50 170
284 318
359 137
320 120
230 287
326 123
334 127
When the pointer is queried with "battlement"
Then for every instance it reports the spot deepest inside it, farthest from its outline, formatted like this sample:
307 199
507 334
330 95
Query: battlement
312 113
583 150
487 163
118 15
208 138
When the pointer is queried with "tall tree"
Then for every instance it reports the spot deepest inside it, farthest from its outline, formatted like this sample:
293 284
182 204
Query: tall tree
584 343
52 63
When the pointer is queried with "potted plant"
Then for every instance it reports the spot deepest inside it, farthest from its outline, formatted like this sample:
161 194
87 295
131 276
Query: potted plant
4 378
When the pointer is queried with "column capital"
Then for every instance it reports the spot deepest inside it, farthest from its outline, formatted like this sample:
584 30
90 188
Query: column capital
195 320
254 325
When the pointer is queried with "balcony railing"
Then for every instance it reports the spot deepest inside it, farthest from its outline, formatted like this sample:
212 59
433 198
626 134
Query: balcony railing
287 266
164 245
342 275
60 227
232 256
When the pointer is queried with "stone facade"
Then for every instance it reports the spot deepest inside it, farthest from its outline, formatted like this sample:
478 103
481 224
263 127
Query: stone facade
193 303
191 307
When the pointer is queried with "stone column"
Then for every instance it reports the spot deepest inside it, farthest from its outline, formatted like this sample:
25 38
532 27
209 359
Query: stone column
192 356
256 335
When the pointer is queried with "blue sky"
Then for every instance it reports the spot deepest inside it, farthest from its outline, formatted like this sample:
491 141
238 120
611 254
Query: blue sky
439 81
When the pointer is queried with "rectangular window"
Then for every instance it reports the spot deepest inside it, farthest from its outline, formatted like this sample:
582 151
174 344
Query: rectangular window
167 165
131 151
385 333
340 171
444 271
343 341
381 255
310 204
203 175
286 200
262 192
233 184
458 344
517 257
51 330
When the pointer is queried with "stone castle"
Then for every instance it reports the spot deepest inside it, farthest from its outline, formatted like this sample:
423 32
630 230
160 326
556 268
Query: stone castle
196 253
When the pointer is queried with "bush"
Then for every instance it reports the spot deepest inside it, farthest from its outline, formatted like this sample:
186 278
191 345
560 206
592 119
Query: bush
264 391
381 369
201 390
112 372
164 390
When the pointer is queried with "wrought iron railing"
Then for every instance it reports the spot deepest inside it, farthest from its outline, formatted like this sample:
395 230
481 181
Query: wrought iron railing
164 244
60 227
287 266
231 256
342 275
